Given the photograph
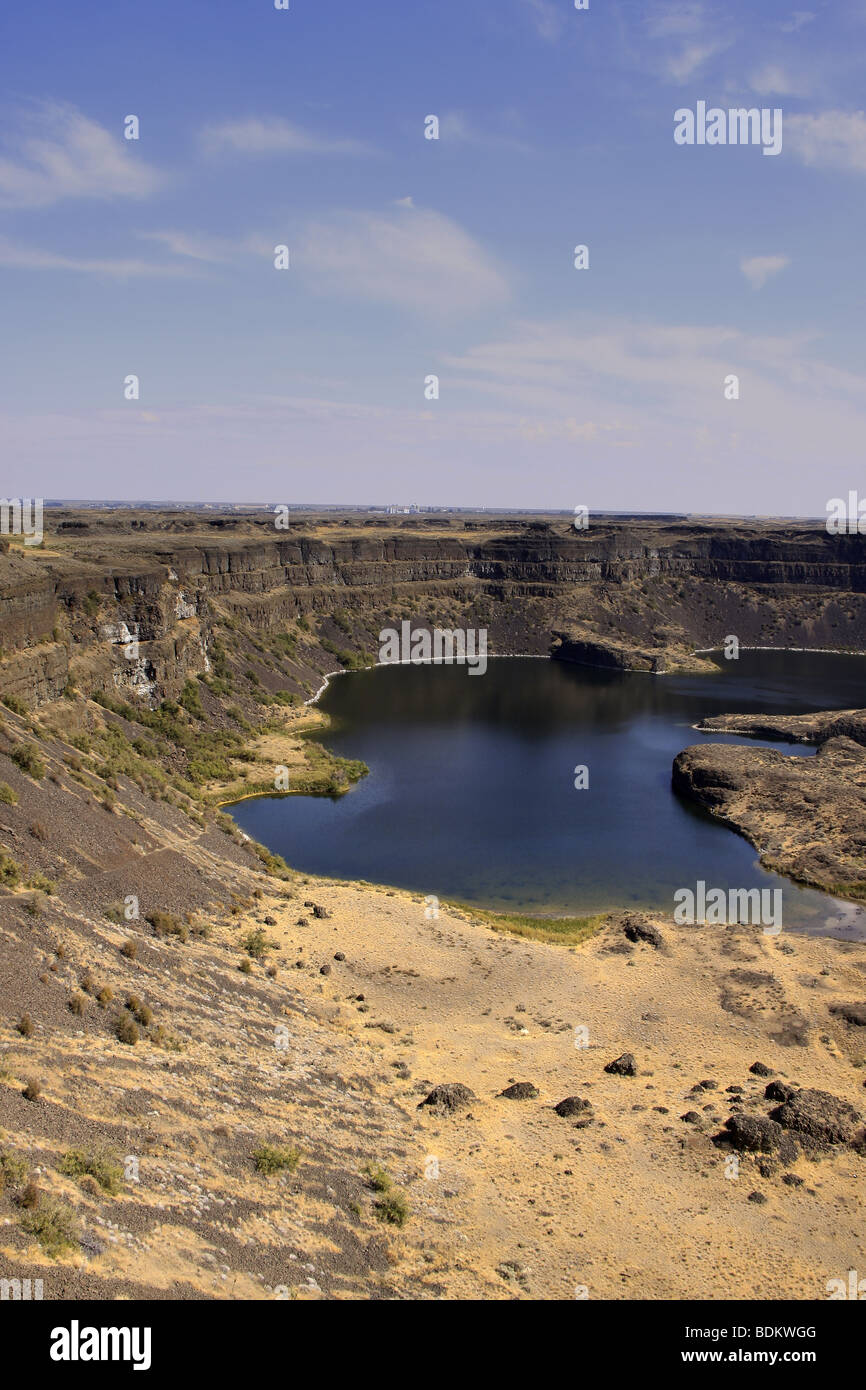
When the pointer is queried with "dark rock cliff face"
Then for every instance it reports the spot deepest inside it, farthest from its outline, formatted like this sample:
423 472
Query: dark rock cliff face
633 594
806 816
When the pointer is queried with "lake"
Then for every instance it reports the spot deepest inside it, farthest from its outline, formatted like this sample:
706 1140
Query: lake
471 792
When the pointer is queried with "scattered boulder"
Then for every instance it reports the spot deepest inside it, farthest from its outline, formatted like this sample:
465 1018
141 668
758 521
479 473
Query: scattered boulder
325 970
691 1117
449 1096
819 1116
780 1090
757 1197
755 1134
577 1108
321 911
520 1090
792 1180
338 955
622 1066
761 1069
270 921
709 1085
636 929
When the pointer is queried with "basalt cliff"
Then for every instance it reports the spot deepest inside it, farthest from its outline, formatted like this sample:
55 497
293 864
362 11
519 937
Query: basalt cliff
638 594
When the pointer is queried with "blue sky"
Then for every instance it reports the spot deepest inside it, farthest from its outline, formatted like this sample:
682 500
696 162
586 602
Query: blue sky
412 257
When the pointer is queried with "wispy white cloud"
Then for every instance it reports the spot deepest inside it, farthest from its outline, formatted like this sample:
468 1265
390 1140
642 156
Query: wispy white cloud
774 80
32 258
546 17
60 153
797 21
830 140
677 18
681 367
681 66
214 250
758 269
254 136
193 245
686 36
412 257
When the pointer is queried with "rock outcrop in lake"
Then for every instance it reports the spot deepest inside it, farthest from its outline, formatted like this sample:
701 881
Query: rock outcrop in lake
805 815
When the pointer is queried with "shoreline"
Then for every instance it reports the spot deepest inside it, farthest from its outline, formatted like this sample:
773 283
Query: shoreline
591 665
843 904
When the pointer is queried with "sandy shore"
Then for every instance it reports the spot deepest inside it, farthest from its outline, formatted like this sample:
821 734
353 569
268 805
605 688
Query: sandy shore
638 1204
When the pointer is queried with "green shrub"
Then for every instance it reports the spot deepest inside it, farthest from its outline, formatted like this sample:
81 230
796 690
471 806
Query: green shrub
191 700
10 874
270 1159
42 883
8 797
256 943
26 755
166 924
377 1177
101 1165
393 1208
141 1012
13 1171
17 706
125 1029
53 1225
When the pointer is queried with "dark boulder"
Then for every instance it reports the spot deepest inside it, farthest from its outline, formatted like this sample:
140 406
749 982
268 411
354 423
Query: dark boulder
576 1107
622 1066
449 1096
636 929
819 1116
521 1090
757 1134
779 1090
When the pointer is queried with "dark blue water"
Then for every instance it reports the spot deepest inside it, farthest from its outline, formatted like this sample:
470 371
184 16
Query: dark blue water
471 788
